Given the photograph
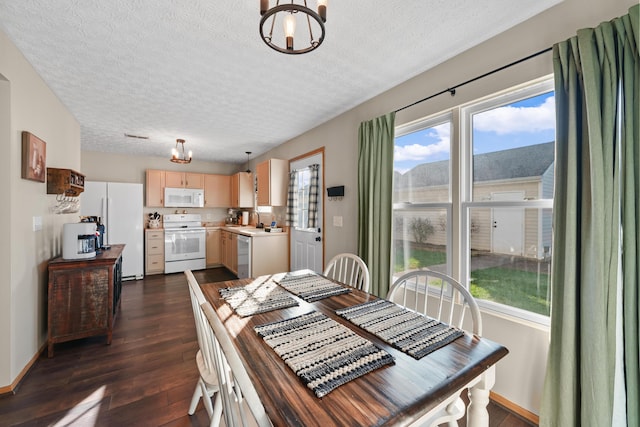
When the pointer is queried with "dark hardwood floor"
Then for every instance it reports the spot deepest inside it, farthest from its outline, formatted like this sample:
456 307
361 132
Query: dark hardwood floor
144 378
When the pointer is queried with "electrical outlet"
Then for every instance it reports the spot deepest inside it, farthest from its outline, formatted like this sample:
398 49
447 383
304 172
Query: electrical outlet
337 221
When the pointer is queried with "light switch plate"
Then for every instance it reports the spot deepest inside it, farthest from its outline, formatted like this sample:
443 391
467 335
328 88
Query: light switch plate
337 221
37 223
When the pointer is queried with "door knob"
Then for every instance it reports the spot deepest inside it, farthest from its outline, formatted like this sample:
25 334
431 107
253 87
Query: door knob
318 239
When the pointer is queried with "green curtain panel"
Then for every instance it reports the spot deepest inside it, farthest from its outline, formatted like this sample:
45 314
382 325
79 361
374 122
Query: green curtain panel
597 162
375 186
628 29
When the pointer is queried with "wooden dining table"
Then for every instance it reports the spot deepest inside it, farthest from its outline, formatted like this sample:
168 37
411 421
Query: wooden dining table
393 395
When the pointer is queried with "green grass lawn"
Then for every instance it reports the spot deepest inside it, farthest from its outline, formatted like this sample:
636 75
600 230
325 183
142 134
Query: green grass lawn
512 287
418 258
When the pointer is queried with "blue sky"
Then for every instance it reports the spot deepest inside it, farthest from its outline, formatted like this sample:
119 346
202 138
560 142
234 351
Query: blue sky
527 122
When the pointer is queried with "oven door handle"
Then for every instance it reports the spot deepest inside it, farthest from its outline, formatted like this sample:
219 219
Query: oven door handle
183 231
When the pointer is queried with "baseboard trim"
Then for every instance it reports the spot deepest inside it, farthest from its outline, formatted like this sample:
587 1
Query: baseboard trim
516 409
13 387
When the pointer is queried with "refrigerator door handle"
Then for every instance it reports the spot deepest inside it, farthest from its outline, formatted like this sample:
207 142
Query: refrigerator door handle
108 225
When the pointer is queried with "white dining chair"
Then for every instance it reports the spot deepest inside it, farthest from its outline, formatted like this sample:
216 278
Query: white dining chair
237 390
349 269
441 297
208 384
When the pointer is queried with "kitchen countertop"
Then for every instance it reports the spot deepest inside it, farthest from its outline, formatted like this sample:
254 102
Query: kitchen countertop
246 230
250 230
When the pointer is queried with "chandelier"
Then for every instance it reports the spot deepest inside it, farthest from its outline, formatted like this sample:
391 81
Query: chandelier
178 156
288 16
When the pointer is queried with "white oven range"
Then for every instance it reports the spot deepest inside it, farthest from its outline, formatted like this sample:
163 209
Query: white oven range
184 243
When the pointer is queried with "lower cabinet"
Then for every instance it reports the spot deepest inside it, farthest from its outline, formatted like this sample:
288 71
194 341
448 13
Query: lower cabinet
154 251
214 246
230 251
83 296
269 254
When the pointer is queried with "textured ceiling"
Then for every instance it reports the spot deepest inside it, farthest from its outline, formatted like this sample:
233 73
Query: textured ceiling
198 70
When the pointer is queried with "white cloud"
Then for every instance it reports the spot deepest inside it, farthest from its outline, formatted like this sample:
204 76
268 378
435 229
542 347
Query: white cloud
440 133
505 120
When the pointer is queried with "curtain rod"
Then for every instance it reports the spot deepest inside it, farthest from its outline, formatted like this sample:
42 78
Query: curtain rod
452 90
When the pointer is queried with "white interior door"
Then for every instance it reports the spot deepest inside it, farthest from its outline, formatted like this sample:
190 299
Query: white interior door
507 236
307 243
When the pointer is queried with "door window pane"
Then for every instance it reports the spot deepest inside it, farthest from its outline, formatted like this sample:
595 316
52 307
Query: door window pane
304 185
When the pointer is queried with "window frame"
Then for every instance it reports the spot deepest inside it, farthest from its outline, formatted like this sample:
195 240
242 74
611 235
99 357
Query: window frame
460 200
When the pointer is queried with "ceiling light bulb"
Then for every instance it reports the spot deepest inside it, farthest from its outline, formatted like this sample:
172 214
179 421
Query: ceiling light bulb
190 154
289 29
289 25
174 153
322 10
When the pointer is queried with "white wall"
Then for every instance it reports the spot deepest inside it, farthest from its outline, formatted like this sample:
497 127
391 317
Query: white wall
30 106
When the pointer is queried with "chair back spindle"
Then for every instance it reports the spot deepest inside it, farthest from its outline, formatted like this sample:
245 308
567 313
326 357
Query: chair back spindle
437 295
349 269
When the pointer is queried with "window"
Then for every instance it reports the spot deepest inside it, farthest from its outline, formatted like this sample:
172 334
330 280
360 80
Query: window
500 199
422 196
302 214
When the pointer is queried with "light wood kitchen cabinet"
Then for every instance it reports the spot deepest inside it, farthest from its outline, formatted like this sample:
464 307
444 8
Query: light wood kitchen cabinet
233 246
230 251
217 191
271 179
242 193
155 188
184 179
214 246
269 254
154 251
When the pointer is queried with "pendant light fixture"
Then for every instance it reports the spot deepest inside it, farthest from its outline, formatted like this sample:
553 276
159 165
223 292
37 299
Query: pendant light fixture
178 155
290 15
248 164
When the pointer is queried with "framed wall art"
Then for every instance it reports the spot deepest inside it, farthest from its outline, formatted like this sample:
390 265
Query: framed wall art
34 157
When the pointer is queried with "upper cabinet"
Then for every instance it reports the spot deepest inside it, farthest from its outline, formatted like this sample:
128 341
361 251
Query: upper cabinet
184 179
217 191
242 194
272 182
155 188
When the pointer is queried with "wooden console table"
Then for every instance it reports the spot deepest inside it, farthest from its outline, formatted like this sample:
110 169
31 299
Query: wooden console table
83 296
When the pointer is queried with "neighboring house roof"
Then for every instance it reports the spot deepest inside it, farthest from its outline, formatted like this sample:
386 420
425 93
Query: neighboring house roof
523 162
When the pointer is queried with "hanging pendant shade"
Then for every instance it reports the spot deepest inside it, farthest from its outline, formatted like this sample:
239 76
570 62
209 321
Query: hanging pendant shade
178 155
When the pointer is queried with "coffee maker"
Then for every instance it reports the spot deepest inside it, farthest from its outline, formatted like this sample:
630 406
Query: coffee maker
100 230
79 240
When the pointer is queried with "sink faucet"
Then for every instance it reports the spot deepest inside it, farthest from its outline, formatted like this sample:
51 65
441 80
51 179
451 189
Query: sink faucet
258 224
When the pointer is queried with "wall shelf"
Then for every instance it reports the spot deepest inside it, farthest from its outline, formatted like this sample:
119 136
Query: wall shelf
64 181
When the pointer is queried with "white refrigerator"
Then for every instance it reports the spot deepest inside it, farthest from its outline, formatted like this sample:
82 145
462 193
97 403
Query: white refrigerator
120 207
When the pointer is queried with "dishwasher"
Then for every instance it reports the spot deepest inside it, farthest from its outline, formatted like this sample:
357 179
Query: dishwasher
244 257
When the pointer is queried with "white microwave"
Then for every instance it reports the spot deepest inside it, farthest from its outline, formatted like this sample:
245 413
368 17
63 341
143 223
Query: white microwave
183 197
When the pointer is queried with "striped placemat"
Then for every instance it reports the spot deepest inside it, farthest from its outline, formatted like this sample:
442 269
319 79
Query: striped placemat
311 286
322 352
257 297
408 331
